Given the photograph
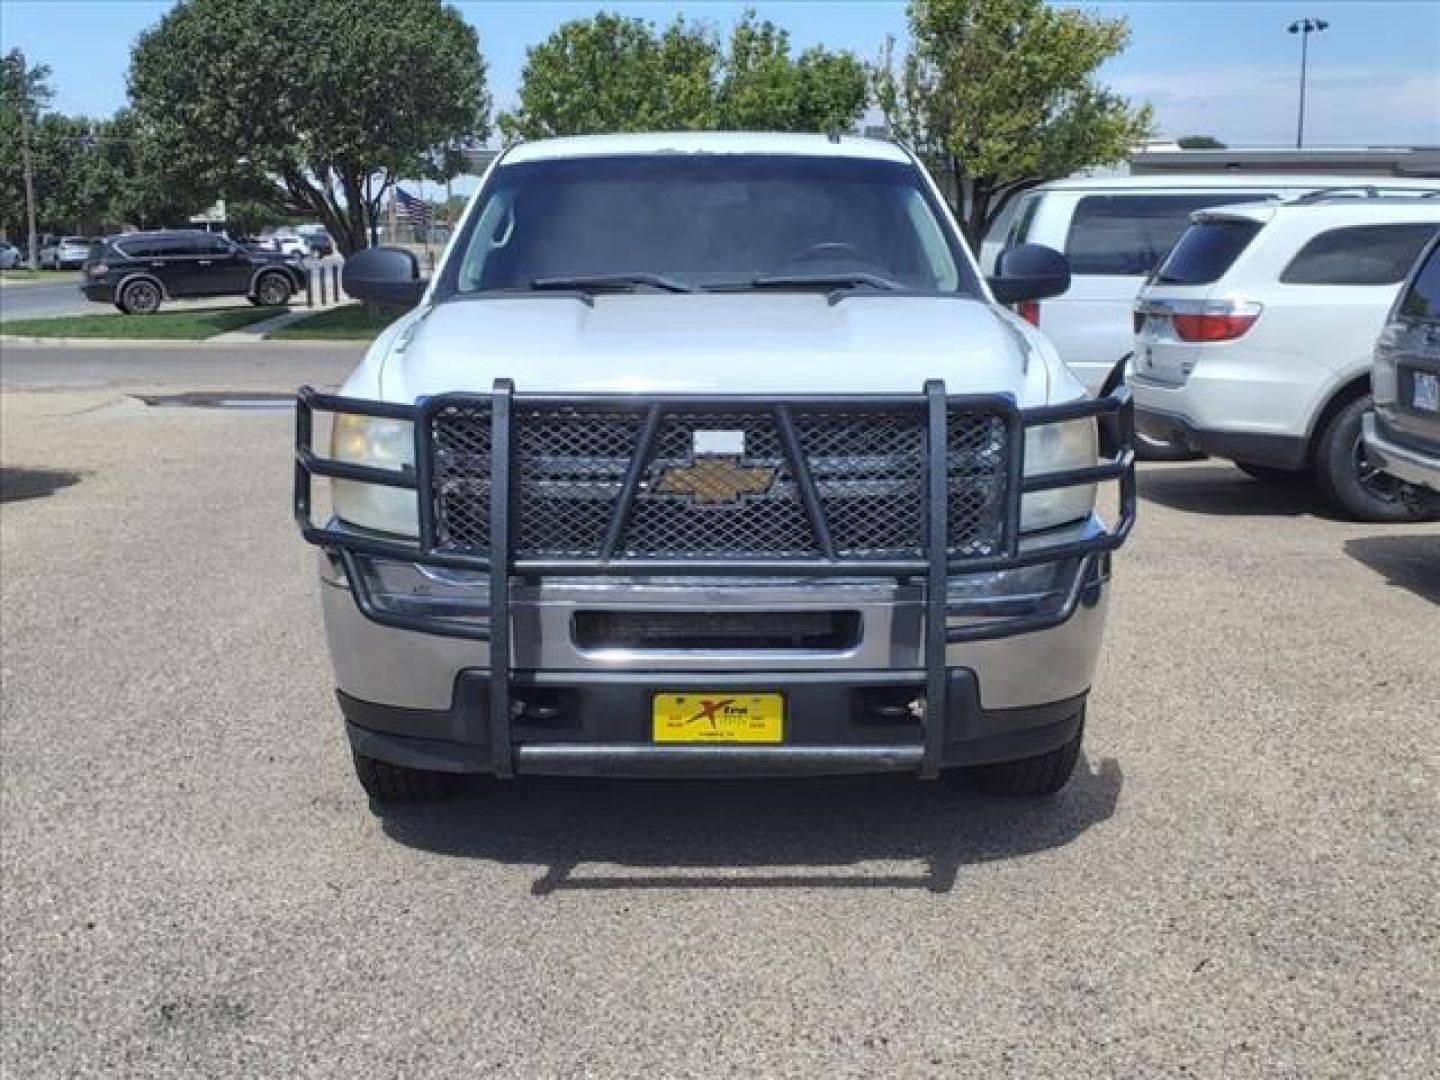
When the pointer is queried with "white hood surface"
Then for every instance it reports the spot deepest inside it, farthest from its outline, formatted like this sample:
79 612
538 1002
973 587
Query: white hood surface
716 343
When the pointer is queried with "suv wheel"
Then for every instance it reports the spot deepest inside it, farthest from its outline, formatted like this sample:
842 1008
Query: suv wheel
272 290
1270 474
140 298
1353 483
394 785
1032 777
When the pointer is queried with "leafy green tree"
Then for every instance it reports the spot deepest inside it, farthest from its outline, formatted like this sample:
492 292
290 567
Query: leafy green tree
614 73
306 104
1199 142
763 89
137 182
24 93
998 96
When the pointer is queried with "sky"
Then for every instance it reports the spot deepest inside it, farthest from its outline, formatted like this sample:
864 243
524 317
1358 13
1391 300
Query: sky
1226 68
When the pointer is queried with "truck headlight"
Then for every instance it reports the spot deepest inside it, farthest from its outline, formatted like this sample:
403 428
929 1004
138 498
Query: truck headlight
1071 444
381 444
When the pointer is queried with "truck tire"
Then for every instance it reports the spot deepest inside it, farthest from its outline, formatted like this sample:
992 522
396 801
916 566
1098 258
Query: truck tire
1032 777
1270 474
1357 487
393 785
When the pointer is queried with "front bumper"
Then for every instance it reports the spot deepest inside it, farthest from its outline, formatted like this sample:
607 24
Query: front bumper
1402 462
939 678
565 725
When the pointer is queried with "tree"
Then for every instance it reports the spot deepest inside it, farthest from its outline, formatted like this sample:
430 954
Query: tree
1199 142
998 96
614 73
303 103
24 92
611 73
763 89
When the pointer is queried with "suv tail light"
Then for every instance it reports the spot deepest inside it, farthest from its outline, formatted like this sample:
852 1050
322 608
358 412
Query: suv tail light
1029 310
1202 320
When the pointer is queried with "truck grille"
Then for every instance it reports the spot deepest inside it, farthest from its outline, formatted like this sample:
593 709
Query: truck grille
569 465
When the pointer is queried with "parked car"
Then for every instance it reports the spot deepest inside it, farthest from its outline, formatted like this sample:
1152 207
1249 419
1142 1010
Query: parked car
9 256
321 245
137 271
1115 231
1254 339
287 243
1402 435
68 253
712 367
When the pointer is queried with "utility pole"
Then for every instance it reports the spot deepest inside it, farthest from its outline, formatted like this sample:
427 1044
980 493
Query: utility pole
22 91
1304 27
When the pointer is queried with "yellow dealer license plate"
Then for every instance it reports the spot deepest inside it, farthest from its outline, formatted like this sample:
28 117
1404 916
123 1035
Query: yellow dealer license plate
716 717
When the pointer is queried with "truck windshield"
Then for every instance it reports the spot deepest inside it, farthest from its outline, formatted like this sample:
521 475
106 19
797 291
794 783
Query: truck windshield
680 222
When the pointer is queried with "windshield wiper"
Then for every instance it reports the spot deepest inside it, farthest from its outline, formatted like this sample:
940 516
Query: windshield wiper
586 283
839 285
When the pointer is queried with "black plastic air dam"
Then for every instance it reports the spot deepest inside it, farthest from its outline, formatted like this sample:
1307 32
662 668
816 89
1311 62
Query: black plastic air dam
602 728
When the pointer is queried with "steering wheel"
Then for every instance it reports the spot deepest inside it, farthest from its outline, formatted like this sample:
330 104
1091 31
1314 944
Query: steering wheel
831 249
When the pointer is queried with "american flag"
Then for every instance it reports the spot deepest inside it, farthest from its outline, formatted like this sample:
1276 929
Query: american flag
409 208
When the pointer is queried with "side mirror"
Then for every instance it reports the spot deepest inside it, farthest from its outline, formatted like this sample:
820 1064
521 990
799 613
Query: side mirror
1029 272
388 276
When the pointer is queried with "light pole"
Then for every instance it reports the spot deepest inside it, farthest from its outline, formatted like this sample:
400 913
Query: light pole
1304 27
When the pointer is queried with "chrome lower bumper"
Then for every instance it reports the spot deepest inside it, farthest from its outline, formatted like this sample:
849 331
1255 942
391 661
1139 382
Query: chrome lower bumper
409 669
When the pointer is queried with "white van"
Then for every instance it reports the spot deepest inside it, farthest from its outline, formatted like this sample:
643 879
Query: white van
1115 230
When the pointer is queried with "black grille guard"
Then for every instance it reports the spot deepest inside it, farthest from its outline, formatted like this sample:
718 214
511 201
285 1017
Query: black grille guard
1114 413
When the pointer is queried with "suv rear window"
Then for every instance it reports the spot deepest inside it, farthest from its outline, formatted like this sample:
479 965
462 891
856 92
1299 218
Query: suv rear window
1359 255
1206 251
1422 302
1129 234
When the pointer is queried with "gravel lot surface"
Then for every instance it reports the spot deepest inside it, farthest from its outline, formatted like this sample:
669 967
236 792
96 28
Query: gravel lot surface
1241 881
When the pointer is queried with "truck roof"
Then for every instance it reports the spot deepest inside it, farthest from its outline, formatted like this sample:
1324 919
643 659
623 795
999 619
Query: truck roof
705 142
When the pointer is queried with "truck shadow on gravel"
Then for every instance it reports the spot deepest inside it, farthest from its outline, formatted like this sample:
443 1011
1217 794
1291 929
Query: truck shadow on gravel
17 484
1407 562
1223 489
761 834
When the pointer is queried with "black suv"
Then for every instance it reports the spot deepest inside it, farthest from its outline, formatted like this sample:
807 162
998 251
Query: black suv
136 271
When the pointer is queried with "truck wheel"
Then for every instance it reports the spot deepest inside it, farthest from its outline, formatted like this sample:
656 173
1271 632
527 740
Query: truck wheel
1270 474
1353 483
272 290
1032 777
394 784
140 298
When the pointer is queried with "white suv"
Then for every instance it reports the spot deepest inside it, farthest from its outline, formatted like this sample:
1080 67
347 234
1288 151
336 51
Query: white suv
1254 339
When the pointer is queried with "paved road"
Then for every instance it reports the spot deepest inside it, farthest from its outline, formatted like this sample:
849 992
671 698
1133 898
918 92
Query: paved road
46 299
1240 882
43 299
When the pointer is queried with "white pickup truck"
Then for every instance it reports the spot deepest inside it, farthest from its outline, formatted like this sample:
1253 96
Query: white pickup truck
711 454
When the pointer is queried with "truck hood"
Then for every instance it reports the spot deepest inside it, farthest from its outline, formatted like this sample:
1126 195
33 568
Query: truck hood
720 343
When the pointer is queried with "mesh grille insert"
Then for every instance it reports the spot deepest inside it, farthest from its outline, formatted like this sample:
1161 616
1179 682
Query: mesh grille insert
718 484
